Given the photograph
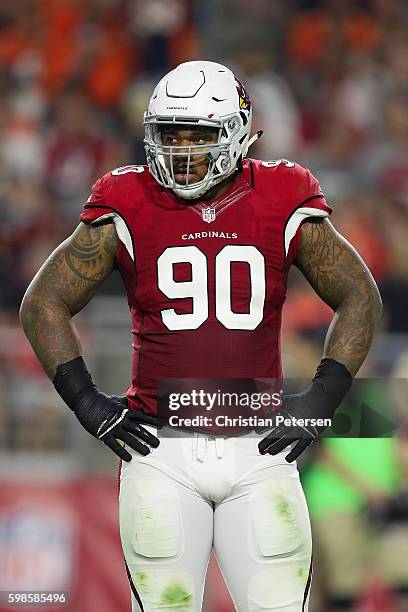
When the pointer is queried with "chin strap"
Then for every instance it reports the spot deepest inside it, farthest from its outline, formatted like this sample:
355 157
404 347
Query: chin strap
253 138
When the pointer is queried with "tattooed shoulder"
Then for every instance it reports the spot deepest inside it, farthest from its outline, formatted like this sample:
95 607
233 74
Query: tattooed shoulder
90 251
73 272
330 264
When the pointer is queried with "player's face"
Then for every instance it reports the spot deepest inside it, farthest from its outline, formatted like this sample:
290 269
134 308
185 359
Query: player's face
191 137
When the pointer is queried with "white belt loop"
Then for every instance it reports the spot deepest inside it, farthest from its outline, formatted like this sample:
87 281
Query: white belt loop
219 447
202 446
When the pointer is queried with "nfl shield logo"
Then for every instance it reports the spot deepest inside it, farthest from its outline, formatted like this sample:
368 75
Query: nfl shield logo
208 214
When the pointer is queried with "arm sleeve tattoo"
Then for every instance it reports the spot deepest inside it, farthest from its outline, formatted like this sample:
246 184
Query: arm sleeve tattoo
340 277
63 286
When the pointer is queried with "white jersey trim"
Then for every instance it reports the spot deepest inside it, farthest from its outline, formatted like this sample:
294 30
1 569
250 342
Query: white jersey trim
296 219
121 230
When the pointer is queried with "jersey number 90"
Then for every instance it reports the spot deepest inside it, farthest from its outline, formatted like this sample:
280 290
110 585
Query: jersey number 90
197 288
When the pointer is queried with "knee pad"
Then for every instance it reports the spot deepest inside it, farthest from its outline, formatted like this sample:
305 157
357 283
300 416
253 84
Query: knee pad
278 589
164 591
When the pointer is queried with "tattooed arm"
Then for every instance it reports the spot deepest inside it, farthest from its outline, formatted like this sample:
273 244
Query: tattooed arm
62 287
340 277
343 281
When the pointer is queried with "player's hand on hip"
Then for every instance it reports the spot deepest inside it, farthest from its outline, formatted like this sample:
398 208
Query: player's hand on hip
301 419
109 419
106 417
287 432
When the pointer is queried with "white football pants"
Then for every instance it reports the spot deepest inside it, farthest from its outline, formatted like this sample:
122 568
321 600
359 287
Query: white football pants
197 492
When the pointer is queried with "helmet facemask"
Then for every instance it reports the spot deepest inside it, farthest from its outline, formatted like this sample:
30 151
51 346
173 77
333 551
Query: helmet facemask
181 167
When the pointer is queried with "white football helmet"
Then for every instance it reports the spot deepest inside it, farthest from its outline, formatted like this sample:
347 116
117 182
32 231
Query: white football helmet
198 93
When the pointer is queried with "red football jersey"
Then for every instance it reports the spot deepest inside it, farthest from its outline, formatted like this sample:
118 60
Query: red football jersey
206 281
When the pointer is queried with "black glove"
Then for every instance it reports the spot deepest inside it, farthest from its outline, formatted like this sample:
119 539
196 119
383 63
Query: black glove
106 417
329 386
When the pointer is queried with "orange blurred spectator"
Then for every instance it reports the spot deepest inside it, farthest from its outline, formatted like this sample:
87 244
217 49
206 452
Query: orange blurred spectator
313 32
61 22
110 68
362 232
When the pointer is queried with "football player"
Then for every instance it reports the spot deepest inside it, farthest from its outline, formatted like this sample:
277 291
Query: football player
204 237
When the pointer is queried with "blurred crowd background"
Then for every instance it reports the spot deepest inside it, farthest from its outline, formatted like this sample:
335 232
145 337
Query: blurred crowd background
329 84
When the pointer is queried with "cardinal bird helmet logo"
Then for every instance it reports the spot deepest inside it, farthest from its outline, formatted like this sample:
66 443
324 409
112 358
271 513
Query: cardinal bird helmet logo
244 99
